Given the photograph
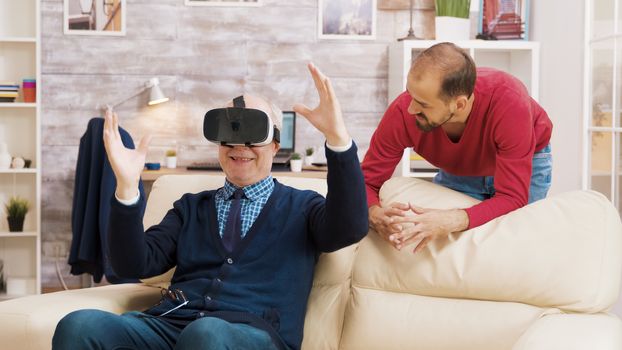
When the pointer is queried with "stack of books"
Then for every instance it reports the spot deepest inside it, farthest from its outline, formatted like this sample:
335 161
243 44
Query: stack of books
8 91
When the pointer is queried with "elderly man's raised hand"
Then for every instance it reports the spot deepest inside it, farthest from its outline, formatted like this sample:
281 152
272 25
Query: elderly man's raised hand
326 117
126 163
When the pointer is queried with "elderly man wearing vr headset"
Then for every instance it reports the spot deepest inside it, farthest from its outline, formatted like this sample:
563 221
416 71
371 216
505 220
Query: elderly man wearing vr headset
245 253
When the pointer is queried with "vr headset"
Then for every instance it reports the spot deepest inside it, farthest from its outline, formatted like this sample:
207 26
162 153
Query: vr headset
239 125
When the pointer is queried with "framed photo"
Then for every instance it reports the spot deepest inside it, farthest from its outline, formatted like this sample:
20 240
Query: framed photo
503 20
94 17
223 2
347 19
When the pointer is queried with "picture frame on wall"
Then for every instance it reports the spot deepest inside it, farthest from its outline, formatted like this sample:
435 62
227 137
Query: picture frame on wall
94 17
347 19
503 20
231 3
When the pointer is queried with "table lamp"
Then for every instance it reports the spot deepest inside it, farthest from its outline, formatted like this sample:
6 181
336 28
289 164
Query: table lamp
411 32
155 94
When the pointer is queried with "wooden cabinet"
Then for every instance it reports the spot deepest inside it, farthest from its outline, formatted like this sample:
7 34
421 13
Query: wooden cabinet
20 131
519 58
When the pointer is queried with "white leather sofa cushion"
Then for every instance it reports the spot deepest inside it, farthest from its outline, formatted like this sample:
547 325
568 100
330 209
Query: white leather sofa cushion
390 320
28 323
573 332
564 252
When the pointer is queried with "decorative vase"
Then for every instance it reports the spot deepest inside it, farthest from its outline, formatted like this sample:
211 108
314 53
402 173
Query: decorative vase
295 165
16 224
171 162
452 28
18 163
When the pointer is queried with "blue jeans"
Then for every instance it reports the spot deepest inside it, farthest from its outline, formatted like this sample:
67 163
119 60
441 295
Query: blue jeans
96 329
482 187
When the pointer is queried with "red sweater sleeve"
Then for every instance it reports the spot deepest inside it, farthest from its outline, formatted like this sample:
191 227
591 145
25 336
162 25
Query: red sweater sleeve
515 140
386 148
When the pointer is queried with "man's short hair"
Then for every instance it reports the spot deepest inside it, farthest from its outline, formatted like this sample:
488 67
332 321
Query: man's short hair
455 66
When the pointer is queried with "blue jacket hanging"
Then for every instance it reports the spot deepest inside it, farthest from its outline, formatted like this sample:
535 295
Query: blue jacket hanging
95 184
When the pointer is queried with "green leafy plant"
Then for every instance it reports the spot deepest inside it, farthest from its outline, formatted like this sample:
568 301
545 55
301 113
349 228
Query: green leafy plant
309 151
295 156
171 153
17 207
453 8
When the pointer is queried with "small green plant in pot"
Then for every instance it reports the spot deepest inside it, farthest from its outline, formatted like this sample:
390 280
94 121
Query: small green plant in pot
452 8
309 158
171 159
295 163
452 20
16 210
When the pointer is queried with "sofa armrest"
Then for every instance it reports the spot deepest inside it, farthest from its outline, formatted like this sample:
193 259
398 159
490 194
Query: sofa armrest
29 322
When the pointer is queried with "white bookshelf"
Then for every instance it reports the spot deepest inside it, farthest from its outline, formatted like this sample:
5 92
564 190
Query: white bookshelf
519 58
20 125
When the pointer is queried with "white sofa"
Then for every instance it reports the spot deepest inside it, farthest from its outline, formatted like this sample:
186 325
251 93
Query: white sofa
541 277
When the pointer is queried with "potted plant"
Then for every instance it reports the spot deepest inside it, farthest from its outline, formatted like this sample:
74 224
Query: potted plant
295 163
452 20
16 210
309 159
171 159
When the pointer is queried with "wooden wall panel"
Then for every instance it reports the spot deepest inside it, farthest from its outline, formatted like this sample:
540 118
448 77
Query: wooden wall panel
203 57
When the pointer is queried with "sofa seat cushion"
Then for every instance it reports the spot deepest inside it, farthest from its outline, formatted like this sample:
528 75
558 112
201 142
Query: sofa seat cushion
29 322
394 320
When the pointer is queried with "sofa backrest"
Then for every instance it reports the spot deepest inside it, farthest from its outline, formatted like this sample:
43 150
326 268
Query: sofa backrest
169 188
480 289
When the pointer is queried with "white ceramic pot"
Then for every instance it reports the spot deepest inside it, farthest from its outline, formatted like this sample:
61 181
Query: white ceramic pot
452 28
309 160
20 286
171 162
295 165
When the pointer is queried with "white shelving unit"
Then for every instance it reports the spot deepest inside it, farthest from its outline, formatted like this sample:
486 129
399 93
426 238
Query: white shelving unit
519 58
20 125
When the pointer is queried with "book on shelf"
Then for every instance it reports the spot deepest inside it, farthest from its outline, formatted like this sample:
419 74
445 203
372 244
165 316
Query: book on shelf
418 164
8 91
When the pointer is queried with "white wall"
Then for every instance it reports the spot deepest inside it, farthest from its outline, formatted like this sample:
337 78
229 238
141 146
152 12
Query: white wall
561 83
561 87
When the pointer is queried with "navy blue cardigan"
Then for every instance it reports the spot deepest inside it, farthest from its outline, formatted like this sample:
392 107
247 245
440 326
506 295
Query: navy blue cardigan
266 280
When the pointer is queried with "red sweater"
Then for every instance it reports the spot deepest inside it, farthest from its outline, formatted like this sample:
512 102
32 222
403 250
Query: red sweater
504 129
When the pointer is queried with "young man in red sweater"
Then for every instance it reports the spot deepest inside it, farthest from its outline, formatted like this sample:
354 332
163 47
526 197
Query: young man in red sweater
479 126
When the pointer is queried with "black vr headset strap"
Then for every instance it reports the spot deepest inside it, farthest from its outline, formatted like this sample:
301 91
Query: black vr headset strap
277 135
239 102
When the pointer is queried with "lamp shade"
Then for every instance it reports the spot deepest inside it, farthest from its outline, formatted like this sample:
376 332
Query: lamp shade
156 96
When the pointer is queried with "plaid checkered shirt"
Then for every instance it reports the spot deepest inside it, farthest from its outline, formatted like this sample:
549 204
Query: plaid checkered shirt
256 197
